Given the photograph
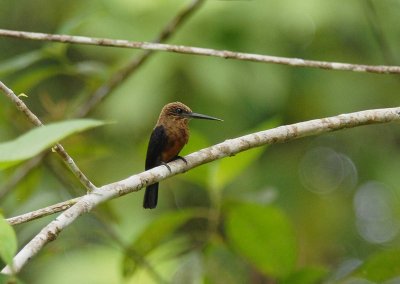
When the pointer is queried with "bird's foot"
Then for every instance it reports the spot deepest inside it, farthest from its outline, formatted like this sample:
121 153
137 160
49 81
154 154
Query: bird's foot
165 164
180 158
174 159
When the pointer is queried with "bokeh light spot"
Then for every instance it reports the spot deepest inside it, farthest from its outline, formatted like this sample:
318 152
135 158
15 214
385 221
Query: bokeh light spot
323 170
373 205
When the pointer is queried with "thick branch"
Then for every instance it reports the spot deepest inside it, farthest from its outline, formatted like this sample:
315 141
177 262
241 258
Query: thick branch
202 51
227 148
58 148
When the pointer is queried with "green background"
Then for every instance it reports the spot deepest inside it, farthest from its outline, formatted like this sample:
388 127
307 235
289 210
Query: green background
318 209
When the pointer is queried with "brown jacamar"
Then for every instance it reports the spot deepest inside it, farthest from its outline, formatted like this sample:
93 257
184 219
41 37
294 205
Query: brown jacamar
169 136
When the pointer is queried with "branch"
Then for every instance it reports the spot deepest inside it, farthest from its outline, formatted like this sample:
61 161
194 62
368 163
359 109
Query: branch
58 148
99 94
227 148
297 62
49 210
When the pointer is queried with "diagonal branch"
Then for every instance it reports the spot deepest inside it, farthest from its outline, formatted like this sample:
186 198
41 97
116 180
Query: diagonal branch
225 149
58 148
297 62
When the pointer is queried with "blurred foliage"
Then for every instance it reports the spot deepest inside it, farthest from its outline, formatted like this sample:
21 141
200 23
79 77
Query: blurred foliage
320 209
8 241
266 228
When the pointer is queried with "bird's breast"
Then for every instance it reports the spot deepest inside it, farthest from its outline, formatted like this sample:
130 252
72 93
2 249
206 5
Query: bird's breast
176 141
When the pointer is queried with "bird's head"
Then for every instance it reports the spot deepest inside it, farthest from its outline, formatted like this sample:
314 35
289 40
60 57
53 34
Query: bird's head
179 112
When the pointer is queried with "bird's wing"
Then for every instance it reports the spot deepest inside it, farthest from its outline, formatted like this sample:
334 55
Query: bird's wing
158 140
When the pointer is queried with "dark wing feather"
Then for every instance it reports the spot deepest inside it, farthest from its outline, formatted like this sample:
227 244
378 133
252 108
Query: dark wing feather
158 140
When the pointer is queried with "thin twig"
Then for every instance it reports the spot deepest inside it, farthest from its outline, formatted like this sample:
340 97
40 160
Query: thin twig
49 210
58 147
225 149
121 75
297 62
43 212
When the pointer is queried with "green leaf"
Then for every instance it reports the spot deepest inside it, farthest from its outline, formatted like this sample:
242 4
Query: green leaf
264 236
154 235
308 275
380 267
8 241
226 170
39 139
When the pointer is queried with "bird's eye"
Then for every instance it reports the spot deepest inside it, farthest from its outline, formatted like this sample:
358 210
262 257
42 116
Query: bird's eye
179 111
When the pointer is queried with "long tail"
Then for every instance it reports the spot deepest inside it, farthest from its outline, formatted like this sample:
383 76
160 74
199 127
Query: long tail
150 196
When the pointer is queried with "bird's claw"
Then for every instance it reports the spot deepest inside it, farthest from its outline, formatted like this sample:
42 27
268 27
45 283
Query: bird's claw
181 158
165 164
176 158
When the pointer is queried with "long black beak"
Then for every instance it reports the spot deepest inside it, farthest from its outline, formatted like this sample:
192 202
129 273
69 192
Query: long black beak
201 116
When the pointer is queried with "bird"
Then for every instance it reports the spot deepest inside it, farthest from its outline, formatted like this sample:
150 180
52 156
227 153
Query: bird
167 139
